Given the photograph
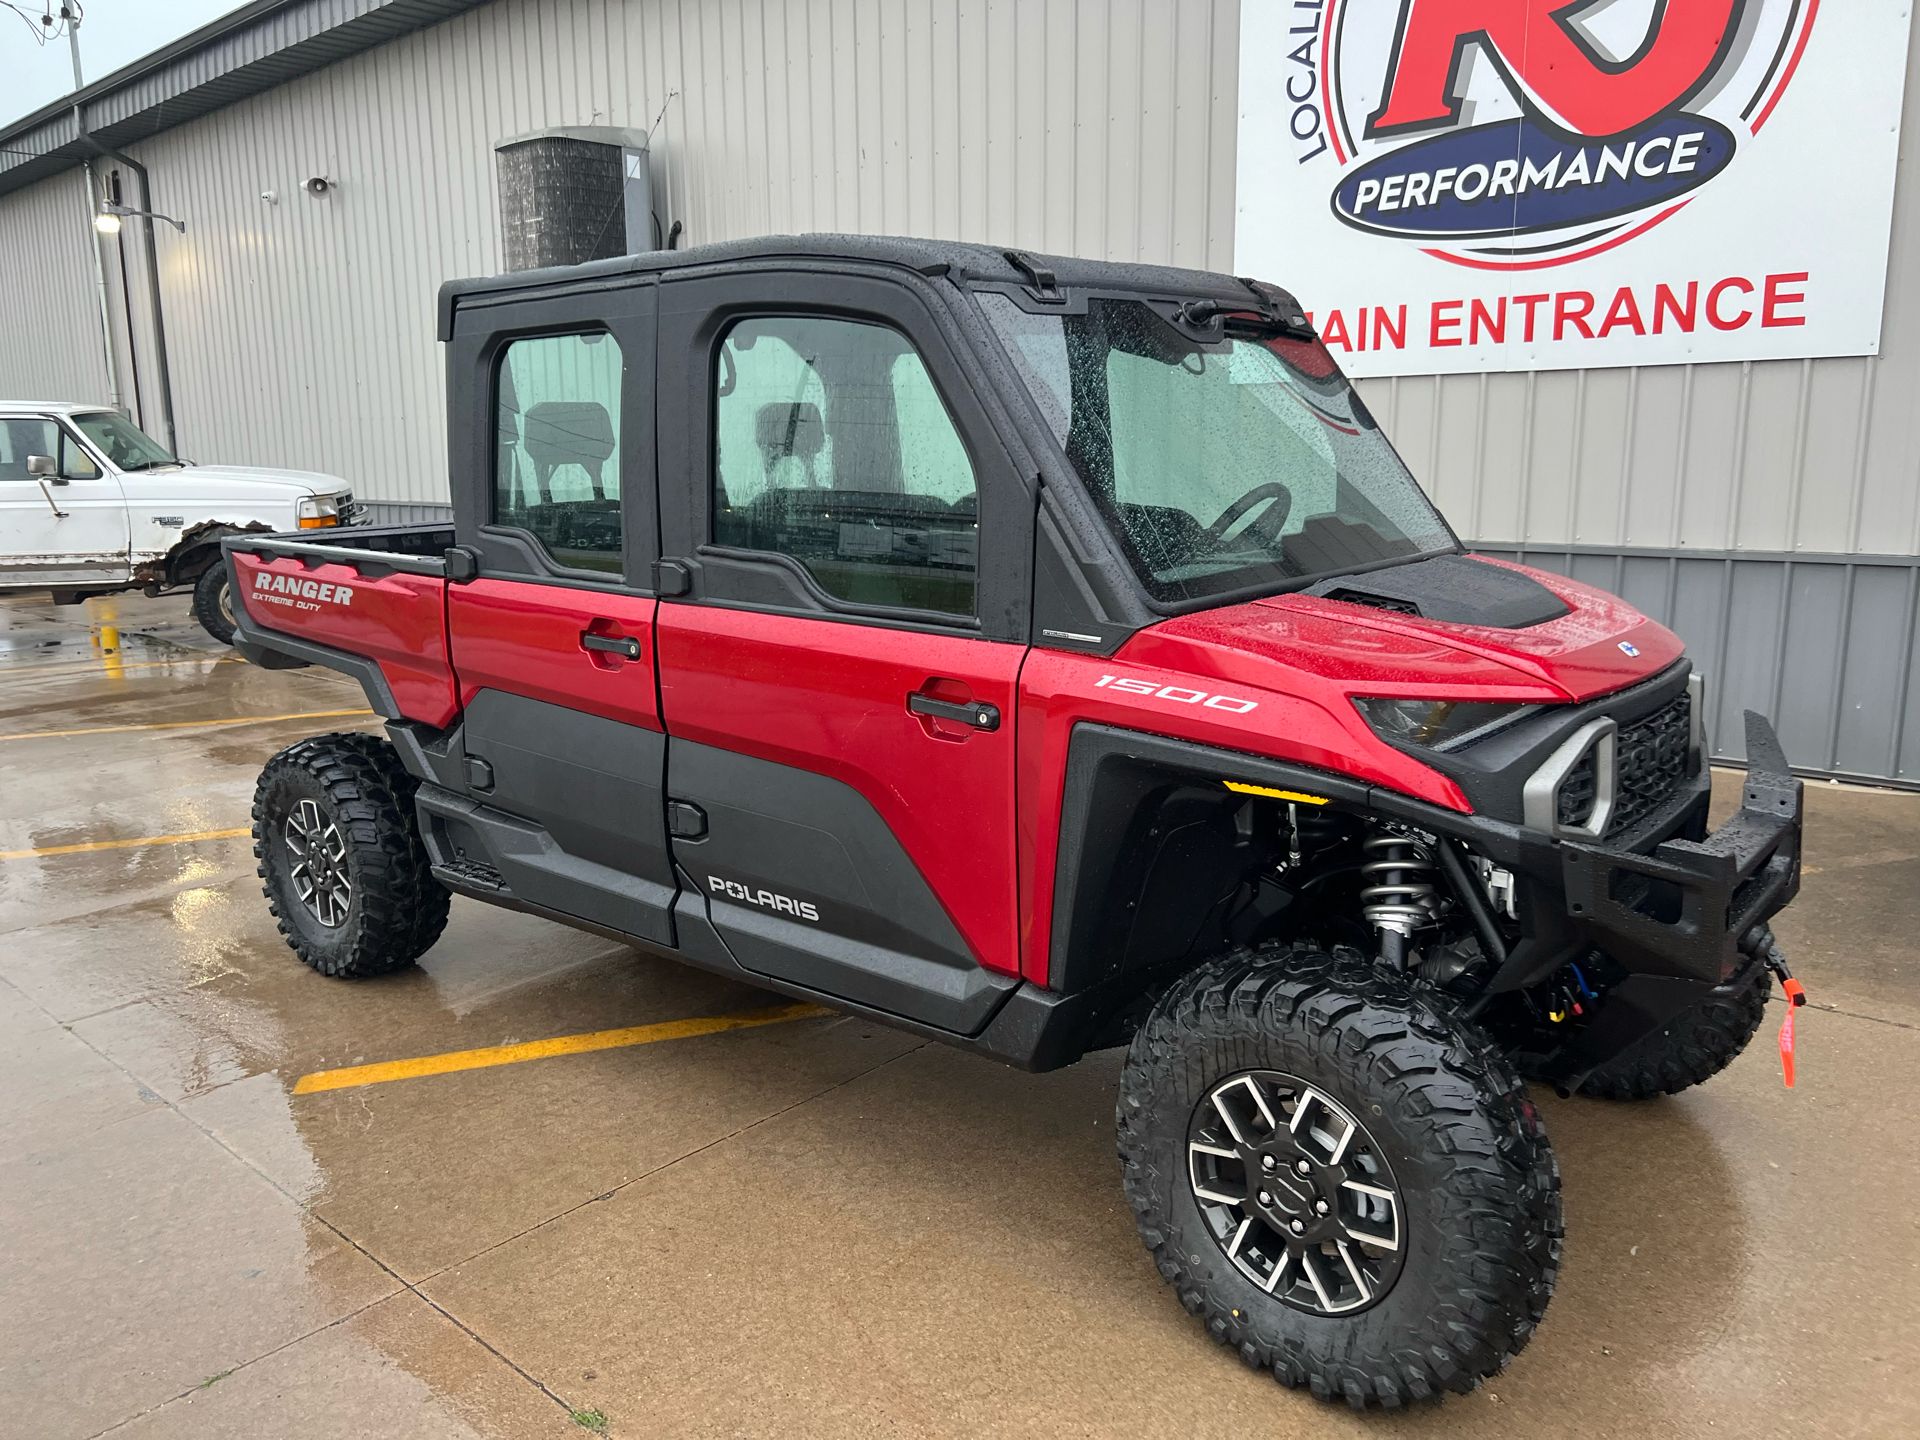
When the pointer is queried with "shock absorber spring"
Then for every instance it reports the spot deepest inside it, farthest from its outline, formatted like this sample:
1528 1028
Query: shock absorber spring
1399 893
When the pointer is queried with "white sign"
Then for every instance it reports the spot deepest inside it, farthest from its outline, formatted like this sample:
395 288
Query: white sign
1467 185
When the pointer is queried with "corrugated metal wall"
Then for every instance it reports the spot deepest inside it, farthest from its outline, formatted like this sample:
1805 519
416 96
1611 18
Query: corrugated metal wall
1818 456
50 337
1728 500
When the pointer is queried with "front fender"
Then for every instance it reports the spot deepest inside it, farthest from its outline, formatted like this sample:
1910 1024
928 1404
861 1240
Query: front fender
197 549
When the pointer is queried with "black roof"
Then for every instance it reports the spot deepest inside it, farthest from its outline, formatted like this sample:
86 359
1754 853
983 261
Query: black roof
968 262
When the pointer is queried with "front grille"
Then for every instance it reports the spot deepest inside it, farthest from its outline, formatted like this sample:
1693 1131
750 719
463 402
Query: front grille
1650 762
1577 792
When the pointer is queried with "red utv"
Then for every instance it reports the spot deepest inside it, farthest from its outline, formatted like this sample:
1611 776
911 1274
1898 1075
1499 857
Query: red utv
1046 655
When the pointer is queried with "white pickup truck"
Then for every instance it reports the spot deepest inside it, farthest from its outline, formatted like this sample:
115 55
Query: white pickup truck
89 504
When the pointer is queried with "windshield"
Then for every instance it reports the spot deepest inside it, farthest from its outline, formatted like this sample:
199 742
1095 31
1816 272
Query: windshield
1224 466
123 442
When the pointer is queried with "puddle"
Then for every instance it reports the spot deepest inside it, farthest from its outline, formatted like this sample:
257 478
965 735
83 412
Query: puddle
101 640
105 629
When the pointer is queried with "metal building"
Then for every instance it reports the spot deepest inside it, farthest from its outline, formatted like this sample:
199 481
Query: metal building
1770 511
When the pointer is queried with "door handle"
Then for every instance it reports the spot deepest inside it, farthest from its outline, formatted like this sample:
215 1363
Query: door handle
977 713
625 646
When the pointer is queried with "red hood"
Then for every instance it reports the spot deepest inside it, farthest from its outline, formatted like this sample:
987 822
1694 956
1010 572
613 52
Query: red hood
1302 660
1600 645
1363 650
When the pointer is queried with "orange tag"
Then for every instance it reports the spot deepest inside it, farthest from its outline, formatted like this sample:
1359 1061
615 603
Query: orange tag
1796 997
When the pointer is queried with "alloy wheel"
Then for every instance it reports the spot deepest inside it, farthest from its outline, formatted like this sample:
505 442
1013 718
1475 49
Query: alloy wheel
1296 1192
319 872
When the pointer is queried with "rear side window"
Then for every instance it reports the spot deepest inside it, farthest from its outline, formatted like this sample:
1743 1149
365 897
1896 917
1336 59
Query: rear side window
832 446
557 446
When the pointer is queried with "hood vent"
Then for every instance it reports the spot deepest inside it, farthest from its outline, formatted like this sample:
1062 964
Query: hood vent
1378 602
1453 589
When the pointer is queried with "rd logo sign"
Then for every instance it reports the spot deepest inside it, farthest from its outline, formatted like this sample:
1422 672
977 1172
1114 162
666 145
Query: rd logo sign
1604 127
1496 156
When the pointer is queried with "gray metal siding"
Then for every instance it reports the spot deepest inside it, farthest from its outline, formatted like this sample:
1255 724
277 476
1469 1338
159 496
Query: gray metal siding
245 51
1816 456
50 340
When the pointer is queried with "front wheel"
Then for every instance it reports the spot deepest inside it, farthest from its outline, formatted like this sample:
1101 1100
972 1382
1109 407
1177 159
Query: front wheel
1694 1045
1340 1177
213 603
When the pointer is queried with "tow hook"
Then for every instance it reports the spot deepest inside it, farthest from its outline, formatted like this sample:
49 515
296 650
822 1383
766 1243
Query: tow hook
1796 996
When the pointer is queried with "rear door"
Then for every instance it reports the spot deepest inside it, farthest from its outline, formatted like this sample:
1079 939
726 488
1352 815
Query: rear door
838 674
553 641
70 530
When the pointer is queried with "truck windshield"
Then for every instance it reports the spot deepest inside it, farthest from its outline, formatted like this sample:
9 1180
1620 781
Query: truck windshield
124 443
1223 466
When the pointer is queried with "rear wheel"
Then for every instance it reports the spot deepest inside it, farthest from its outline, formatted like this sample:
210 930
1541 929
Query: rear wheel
343 867
213 603
1341 1178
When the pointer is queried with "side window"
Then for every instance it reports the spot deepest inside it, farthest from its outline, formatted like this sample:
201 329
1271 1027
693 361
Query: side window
557 446
75 463
21 438
832 446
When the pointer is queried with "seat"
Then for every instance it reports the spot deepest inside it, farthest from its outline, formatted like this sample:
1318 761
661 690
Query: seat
789 432
568 432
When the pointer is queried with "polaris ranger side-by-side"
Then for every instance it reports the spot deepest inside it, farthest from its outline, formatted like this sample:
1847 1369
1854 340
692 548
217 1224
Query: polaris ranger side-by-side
1046 655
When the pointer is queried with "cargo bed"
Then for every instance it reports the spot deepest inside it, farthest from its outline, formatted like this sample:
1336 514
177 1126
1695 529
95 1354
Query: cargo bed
368 602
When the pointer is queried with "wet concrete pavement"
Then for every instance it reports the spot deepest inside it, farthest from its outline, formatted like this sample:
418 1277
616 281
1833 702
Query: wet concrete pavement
819 1227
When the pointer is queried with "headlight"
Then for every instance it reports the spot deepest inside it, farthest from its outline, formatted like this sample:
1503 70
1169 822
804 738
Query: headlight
1437 724
316 512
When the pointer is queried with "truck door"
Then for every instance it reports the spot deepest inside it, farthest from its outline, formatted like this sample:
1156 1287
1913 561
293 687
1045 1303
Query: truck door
842 625
553 640
72 530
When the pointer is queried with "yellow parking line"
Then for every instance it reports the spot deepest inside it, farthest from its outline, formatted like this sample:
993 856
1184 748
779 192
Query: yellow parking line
99 663
182 724
91 845
352 1076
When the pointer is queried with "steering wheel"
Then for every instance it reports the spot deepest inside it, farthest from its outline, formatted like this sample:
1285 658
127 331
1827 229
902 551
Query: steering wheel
1263 493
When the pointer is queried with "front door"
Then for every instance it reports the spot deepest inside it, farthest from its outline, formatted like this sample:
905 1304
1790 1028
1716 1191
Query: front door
69 530
553 641
838 678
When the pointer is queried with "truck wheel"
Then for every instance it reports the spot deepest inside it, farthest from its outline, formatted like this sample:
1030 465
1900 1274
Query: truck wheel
213 603
1340 1177
1696 1045
345 873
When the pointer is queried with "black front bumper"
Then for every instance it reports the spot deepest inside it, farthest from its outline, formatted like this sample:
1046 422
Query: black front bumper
1680 916
1677 909
1686 908
1666 898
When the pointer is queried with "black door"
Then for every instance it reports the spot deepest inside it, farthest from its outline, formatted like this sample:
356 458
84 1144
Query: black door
839 672
553 639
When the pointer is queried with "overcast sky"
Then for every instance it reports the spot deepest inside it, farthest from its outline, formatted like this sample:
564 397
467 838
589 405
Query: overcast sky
112 33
